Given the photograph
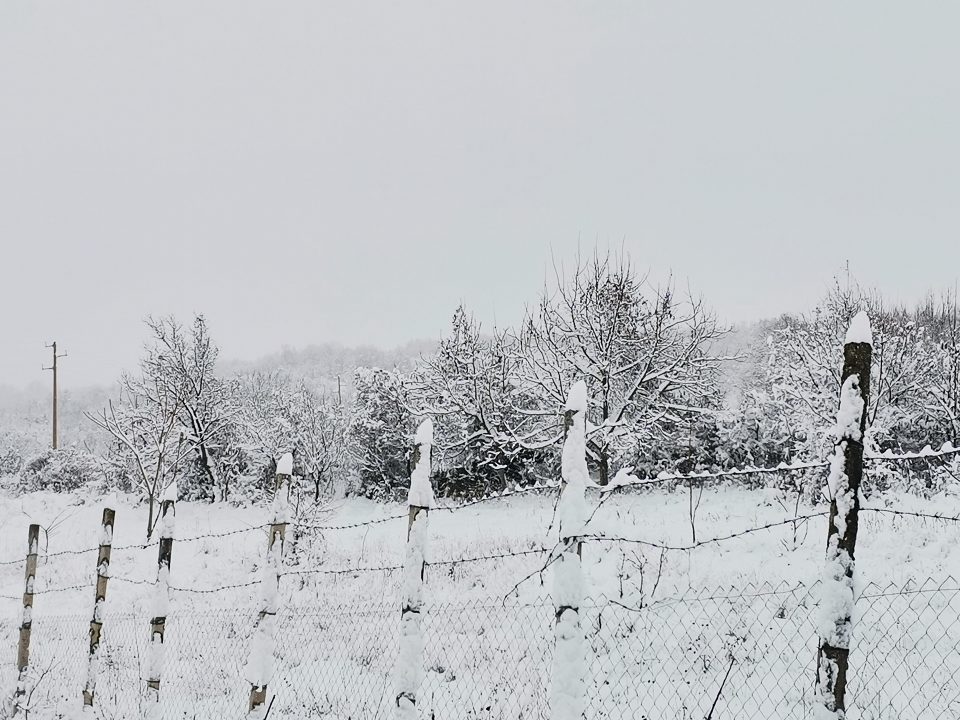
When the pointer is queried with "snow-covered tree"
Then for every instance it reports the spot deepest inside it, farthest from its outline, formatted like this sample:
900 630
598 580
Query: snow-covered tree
644 351
186 359
265 424
805 356
469 386
319 429
378 432
150 443
942 406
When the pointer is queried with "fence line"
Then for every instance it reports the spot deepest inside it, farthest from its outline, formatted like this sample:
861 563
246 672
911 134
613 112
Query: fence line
663 477
611 657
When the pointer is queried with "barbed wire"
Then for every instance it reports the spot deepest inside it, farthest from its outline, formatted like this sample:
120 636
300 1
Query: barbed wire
140 546
539 487
350 526
46 591
710 541
495 556
911 513
432 563
199 591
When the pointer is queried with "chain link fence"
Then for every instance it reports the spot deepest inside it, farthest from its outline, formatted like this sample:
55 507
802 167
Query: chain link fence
491 660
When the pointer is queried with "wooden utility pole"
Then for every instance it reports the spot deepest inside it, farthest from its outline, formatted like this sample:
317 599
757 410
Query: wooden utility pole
56 434
846 473
100 597
26 623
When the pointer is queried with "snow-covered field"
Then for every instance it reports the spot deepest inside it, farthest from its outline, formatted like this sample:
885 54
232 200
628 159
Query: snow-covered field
747 601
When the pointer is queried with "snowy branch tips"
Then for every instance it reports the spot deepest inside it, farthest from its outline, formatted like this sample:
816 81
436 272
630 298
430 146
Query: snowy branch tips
846 472
567 685
100 597
409 668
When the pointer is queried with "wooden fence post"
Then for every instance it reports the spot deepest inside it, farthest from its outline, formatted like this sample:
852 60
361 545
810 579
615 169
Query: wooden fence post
409 667
567 687
259 668
846 472
26 623
99 599
161 605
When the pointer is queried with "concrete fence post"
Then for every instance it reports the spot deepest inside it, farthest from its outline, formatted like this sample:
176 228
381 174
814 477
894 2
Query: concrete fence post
161 605
99 601
409 666
260 667
567 685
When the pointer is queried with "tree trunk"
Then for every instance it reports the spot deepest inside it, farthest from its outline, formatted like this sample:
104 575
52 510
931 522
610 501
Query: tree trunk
604 449
150 516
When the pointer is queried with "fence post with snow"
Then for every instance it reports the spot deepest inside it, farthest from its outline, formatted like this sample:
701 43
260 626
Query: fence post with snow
26 622
567 690
846 471
100 598
161 601
409 667
260 667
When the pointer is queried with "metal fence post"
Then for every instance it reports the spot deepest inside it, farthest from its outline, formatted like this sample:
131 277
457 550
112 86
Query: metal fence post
846 472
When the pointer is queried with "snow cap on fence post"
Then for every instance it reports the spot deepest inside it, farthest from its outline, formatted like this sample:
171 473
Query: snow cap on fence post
859 330
285 464
567 689
408 672
835 612
421 490
572 510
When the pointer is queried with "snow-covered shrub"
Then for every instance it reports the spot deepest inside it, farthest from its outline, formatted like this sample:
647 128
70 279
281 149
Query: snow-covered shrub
61 470
10 461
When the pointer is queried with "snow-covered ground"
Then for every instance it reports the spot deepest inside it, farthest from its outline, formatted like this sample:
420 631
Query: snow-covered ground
338 632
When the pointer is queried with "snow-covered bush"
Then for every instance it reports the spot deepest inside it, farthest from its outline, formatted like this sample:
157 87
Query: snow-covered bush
61 470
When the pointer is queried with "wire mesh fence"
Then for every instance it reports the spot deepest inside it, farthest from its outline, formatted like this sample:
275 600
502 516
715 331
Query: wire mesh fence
491 660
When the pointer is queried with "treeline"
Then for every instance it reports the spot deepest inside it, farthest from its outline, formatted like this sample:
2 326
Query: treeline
664 394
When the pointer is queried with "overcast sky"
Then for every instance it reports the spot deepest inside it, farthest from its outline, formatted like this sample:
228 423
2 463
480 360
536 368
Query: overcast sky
306 171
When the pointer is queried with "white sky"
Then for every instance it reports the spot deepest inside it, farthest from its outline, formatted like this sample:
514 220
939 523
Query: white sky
305 171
